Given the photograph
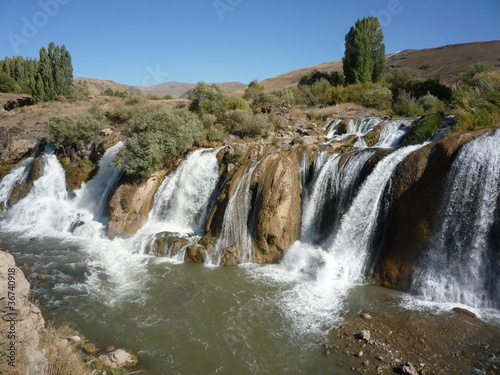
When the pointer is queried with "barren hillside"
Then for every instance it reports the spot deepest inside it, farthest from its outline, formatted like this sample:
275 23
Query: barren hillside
444 62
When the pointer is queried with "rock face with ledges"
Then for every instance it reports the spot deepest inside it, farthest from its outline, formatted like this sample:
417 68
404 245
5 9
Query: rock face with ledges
20 321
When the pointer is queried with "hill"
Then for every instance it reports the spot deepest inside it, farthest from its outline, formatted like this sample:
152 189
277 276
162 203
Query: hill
97 86
177 89
444 62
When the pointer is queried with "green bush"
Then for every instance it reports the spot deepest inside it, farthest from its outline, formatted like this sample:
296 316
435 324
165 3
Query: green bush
406 105
316 93
207 98
66 132
423 128
431 104
155 136
243 124
310 78
477 101
231 102
264 101
136 99
290 95
7 83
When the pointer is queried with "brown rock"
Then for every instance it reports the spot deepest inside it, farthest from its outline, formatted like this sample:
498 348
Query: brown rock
131 202
195 254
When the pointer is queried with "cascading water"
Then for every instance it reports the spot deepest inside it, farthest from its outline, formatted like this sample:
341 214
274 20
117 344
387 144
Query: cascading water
235 231
394 132
183 198
93 195
324 273
467 236
15 178
182 201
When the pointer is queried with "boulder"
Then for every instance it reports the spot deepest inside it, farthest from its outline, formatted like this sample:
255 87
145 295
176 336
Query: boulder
131 202
196 254
120 358
167 244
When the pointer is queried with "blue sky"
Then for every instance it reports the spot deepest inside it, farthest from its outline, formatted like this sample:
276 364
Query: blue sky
148 42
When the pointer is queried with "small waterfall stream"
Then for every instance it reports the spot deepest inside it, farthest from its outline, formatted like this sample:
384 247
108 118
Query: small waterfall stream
462 263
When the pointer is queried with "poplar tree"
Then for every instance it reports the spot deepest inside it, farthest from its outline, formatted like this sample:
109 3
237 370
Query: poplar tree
364 58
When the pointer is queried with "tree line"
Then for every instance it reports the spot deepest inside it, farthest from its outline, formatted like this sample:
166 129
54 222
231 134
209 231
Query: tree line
46 78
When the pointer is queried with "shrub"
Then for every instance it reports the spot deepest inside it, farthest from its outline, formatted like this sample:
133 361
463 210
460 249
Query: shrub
167 97
207 98
406 105
310 78
136 99
477 101
316 93
155 136
290 95
252 90
7 83
241 123
431 104
369 94
231 102
264 100
423 128
121 113
66 132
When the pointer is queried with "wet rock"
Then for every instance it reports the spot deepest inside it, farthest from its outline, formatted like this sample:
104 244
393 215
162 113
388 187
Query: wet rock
196 254
167 244
465 312
73 339
120 358
363 335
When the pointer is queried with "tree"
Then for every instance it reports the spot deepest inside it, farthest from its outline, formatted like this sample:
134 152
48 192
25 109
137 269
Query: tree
7 83
364 52
207 98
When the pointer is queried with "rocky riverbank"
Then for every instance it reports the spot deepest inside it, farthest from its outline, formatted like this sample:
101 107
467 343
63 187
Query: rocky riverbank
416 343
29 346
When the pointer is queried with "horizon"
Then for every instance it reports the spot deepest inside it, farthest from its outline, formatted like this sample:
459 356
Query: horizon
228 40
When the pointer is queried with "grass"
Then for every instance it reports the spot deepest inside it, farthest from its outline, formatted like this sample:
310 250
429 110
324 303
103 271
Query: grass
423 128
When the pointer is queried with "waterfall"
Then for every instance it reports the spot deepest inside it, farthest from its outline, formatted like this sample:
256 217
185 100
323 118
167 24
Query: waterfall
394 132
331 127
462 262
93 195
325 272
360 127
16 177
183 199
235 232
49 210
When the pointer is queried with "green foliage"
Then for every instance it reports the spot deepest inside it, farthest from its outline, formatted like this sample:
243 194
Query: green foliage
364 58
315 94
423 128
121 113
118 94
406 105
264 100
310 78
405 79
369 94
7 83
65 132
136 99
431 104
22 70
54 75
231 102
155 136
167 97
207 98
80 90
290 95
477 100
473 71
252 90
244 124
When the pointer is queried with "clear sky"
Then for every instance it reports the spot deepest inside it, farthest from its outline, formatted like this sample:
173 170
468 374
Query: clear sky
152 41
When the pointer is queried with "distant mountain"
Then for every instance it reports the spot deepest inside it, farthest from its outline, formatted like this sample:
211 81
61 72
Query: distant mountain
97 86
444 62
176 89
